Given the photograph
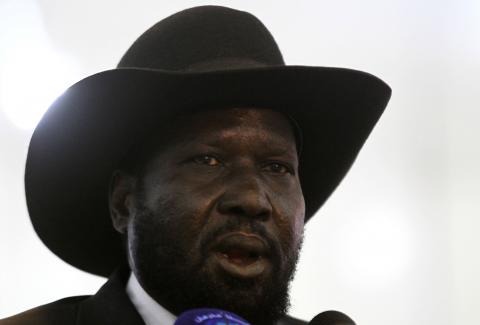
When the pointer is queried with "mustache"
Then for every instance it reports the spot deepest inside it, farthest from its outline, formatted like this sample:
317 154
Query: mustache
242 225
277 255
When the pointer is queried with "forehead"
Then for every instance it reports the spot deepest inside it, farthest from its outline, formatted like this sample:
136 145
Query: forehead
250 125
234 122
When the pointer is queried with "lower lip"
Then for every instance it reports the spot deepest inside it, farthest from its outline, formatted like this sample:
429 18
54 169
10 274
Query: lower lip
240 270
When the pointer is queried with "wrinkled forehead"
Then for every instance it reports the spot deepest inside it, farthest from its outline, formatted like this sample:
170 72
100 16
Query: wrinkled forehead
274 123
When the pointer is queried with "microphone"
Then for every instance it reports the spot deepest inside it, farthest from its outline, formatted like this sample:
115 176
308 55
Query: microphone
331 317
209 316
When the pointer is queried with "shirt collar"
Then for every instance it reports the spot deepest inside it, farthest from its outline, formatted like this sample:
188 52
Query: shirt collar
151 311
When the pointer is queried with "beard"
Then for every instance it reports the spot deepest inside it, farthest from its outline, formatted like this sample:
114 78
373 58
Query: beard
169 261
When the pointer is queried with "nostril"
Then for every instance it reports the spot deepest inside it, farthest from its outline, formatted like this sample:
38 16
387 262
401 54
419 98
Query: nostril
245 207
236 210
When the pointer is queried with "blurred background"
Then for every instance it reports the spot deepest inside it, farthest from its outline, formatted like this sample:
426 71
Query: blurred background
396 243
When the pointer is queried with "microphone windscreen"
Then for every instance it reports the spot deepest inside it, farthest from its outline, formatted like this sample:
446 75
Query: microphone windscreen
331 317
209 316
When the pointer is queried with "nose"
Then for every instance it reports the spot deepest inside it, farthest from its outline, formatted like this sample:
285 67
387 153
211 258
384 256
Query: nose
245 196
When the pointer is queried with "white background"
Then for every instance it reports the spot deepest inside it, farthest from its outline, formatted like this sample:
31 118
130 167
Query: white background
396 243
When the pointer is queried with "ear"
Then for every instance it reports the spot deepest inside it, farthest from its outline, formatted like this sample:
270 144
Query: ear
121 199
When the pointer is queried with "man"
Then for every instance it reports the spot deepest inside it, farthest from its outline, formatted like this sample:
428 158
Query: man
187 173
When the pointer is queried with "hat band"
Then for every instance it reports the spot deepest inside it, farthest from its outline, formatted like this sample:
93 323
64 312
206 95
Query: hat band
224 64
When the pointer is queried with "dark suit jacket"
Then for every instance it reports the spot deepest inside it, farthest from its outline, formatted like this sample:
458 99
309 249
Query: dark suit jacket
109 306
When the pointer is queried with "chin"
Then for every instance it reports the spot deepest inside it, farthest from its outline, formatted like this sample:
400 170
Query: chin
259 300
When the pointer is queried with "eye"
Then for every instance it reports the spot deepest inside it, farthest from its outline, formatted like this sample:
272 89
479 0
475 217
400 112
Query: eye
278 168
207 160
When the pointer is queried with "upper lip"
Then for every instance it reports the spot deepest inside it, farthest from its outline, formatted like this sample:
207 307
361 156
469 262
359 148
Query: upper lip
253 244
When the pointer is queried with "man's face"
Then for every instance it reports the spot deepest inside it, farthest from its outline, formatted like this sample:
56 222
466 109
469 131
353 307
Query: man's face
218 214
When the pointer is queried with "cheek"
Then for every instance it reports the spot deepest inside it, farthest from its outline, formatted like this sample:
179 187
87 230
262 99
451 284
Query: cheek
298 213
159 237
290 222
186 191
178 217
299 219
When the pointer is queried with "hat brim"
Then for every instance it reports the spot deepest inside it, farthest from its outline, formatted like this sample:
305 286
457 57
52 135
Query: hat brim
87 131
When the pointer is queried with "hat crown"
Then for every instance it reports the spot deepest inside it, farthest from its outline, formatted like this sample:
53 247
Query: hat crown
203 39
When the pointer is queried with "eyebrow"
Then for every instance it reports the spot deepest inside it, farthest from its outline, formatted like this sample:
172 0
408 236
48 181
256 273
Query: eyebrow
273 150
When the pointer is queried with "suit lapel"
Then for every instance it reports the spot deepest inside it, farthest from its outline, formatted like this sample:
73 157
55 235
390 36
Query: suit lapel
110 305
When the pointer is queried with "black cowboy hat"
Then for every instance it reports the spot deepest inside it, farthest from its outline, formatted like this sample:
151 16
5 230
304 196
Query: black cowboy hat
201 58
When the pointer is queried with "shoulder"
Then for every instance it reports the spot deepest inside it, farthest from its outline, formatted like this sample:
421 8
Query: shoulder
63 311
288 320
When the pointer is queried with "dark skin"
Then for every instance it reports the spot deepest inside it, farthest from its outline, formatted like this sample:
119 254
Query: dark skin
213 215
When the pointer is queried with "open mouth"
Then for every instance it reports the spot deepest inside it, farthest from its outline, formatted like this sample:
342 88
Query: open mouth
242 255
